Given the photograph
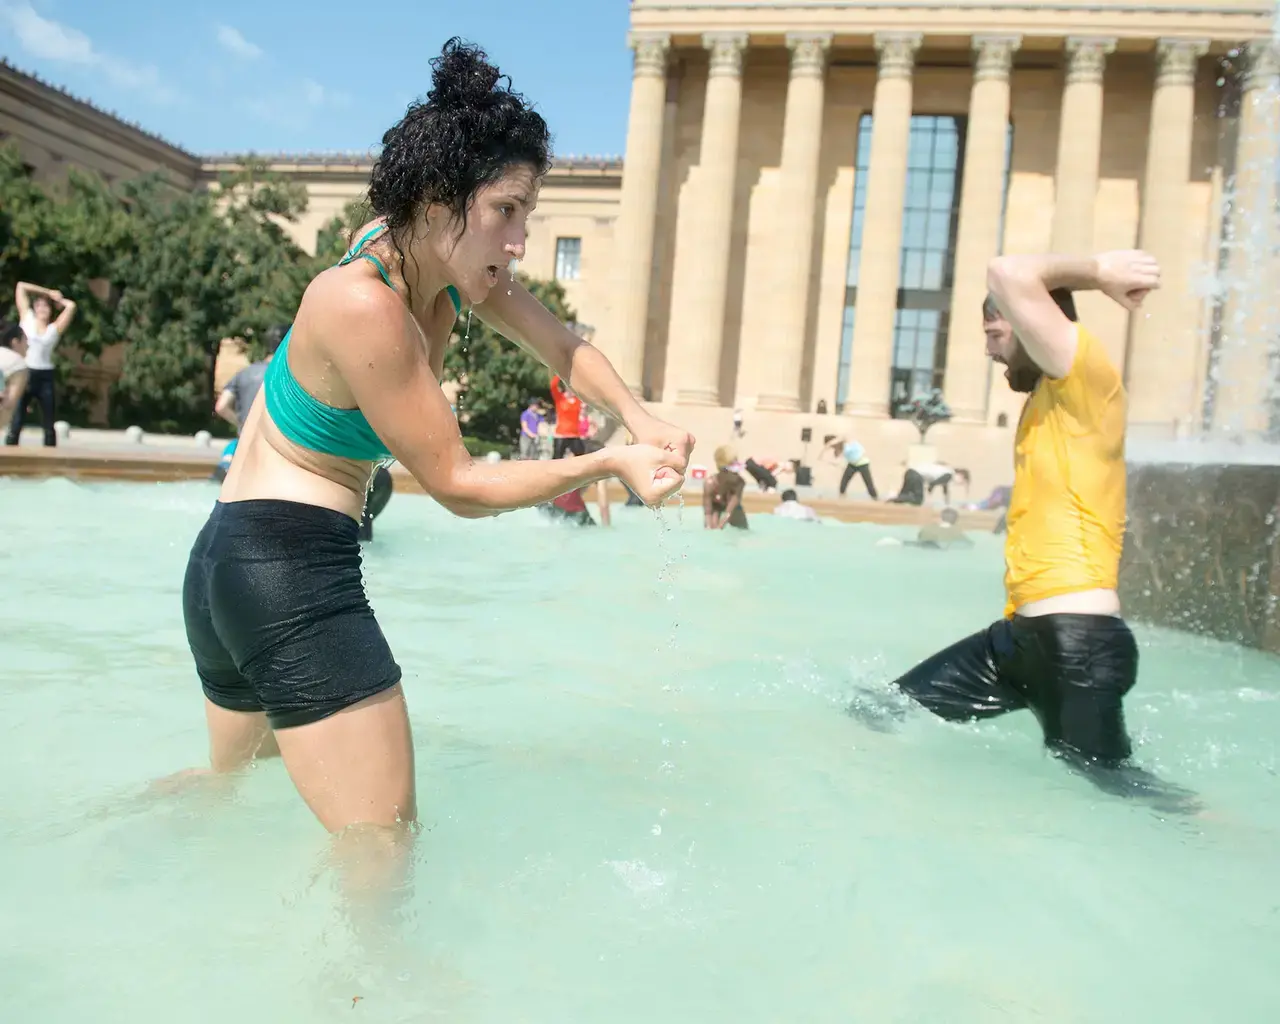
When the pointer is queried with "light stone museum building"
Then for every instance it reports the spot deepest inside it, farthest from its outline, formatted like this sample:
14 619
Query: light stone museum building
811 192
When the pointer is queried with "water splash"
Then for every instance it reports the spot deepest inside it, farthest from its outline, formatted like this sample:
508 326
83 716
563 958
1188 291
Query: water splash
1242 389
667 571
511 269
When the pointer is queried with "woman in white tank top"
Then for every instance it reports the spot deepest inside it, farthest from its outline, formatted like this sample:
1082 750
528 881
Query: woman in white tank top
35 313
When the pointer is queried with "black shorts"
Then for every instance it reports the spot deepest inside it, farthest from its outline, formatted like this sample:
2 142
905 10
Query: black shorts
276 614
560 445
1071 670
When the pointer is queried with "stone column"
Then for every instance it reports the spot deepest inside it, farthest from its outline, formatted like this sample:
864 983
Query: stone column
1079 145
801 150
696 362
977 237
877 304
638 207
1160 365
1245 375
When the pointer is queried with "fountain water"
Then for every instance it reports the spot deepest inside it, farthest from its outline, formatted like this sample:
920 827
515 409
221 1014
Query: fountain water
1204 511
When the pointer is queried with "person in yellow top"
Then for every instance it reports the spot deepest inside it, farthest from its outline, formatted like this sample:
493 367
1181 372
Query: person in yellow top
1062 649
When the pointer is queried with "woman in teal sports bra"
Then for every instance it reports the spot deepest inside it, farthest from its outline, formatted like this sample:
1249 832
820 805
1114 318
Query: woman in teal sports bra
287 650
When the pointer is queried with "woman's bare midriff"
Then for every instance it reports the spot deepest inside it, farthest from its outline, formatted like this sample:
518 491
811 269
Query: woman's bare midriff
1083 602
268 465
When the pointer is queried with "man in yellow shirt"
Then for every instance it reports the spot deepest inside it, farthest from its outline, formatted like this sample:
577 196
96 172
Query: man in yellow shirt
1062 649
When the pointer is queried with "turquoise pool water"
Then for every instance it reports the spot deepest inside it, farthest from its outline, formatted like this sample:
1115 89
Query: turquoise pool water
642 799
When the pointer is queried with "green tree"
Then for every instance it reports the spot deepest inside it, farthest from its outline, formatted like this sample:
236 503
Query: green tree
496 378
204 266
336 237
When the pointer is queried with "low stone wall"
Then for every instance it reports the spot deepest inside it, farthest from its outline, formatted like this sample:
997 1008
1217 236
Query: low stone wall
1201 552
154 465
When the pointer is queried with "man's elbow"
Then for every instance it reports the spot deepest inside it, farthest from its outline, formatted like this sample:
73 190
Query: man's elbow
1002 274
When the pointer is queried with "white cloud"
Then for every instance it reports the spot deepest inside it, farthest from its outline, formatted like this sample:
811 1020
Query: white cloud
235 43
294 104
46 39
41 37
321 96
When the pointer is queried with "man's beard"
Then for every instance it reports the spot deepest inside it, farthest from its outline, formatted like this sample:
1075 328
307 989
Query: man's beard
1022 374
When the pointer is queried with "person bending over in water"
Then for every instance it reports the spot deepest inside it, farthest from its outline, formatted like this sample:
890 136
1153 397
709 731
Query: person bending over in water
1062 648
281 633
722 495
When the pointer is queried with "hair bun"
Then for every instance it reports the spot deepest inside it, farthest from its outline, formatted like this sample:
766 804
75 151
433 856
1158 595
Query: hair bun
461 76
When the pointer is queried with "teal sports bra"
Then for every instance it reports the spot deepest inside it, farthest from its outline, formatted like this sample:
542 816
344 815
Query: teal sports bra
309 422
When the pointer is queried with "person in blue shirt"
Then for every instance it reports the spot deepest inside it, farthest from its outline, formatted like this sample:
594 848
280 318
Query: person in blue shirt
856 463
531 421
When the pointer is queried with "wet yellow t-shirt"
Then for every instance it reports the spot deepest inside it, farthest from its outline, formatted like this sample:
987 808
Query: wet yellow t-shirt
1067 512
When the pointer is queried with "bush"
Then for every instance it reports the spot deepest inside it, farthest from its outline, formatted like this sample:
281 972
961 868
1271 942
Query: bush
480 448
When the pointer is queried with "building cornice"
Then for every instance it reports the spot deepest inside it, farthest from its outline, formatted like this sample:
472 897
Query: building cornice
82 116
33 91
1260 8
587 171
853 22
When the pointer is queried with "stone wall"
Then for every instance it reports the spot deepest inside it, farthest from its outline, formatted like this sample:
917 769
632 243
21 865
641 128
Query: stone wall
1201 552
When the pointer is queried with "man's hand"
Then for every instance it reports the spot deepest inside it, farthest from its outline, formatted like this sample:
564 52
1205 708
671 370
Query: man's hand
1127 275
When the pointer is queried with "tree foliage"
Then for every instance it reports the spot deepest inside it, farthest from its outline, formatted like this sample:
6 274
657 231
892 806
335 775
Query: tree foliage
496 379
204 266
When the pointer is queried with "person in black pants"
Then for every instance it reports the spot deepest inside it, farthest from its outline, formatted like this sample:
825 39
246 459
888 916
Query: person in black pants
39 387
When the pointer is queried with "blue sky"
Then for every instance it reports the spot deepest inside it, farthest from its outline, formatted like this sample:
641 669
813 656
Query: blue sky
321 75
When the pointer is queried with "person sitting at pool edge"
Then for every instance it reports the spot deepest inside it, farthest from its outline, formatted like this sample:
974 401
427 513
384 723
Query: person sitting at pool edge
283 639
790 507
236 398
13 368
1062 648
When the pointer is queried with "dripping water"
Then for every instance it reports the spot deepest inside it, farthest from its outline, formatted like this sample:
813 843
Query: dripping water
667 580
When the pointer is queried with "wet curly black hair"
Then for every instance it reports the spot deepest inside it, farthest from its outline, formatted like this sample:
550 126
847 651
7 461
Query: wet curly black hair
468 133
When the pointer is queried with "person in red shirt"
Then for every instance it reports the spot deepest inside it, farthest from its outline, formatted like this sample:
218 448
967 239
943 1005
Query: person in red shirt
569 415
572 505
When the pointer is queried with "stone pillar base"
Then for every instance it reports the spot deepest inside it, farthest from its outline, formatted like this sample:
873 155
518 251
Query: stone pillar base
697 396
778 403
